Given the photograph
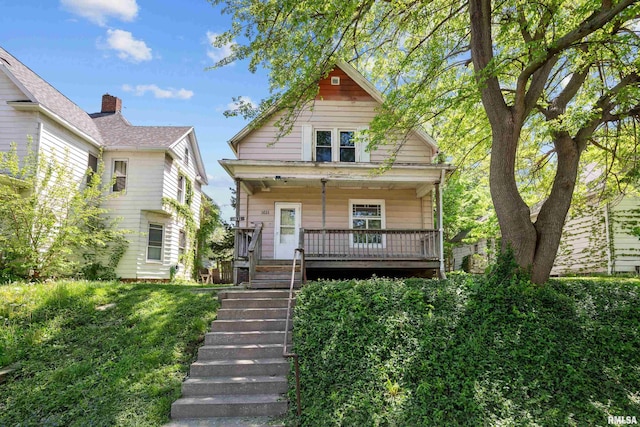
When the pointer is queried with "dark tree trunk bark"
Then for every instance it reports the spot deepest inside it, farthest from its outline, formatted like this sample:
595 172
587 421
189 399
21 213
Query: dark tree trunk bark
553 212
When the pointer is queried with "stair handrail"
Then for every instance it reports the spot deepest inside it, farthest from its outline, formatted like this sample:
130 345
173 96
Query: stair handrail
285 352
255 246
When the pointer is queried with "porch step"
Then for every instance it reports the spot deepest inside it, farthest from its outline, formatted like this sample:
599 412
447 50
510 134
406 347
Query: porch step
240 376
240 351
229 406
233 385
277 268
256 303
277 275
252 313
247 337
238 325
273 284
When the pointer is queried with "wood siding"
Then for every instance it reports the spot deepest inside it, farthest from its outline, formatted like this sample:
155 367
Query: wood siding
626 246
261 143
347 90
15 126
403 209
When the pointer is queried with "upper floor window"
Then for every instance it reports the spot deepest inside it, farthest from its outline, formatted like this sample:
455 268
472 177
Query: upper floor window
119 175
329 149
181 185
323 146
92 167
186 156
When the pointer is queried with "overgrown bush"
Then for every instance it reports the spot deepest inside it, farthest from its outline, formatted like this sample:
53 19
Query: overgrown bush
468 351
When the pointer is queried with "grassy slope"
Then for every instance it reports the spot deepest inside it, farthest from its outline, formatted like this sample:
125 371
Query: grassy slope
468 352
86 363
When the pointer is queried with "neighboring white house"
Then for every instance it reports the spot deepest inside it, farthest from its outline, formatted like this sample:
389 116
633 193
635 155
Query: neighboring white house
149 163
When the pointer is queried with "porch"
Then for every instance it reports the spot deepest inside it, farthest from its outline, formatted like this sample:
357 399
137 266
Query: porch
341 248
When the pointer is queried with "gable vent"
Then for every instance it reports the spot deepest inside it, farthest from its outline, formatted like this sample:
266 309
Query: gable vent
335 81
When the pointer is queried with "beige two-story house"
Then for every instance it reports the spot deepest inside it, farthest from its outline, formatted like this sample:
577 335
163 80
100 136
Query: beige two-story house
320 188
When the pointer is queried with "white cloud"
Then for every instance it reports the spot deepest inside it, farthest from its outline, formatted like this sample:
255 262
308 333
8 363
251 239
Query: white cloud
241 99
217 53
128 48
168 93
98 11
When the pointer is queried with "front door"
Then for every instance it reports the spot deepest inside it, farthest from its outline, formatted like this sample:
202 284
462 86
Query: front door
287 227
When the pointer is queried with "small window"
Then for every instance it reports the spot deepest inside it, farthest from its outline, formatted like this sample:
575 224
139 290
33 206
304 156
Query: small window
186 156
154 246
323 146
347 146
182 245
120 175
335 80
92 167
180 197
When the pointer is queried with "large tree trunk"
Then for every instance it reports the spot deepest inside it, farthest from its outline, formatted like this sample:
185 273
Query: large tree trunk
553 212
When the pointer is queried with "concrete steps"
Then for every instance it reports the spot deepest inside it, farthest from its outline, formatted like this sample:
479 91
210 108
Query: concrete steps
240 376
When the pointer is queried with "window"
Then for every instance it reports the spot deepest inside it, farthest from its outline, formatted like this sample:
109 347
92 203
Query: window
347 146
186 156
92 167
367 215
182 245
154 246
325 150
323 146
180 197
119 175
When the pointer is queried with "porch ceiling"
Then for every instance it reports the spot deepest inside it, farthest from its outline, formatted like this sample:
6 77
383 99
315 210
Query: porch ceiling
262 175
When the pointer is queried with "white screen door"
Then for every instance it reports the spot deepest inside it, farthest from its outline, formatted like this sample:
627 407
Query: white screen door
287 227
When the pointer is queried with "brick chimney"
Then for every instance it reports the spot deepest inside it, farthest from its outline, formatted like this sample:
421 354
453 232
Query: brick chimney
111 104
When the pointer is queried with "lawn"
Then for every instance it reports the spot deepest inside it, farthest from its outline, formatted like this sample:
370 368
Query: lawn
100 354
468 351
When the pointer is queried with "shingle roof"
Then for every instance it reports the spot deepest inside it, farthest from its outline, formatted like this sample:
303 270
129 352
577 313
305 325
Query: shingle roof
41 92
118 132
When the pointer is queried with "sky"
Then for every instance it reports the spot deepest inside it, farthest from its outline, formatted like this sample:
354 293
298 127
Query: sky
152 54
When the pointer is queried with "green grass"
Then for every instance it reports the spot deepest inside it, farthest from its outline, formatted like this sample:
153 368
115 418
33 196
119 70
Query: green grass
99 354
468 352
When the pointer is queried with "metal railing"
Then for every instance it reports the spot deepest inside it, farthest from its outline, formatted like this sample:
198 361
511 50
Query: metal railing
285 348
370 244
255 251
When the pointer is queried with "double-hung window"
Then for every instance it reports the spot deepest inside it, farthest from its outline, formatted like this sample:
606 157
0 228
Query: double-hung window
335 146
119 175
367 216
181 184
154 243
182 245
92 167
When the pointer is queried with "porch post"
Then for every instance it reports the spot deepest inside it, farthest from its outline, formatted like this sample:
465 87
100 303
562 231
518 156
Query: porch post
324 214
237 234
440 224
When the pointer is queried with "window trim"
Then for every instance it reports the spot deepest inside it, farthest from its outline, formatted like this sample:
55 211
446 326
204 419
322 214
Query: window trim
90 169
155 261
181 188
383 222
114 177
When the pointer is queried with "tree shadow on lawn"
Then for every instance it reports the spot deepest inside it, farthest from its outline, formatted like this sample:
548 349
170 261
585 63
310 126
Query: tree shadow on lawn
470 353
120 364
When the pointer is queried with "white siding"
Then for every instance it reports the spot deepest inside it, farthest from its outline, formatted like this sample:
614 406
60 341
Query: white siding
626 247
403 210
15 126
345 115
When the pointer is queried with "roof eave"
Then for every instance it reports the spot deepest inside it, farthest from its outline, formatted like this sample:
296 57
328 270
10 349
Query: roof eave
39 108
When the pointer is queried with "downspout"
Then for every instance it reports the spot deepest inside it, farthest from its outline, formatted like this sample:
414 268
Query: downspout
440 224
608 237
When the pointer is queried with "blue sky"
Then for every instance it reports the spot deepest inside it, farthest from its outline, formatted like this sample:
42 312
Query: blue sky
150 53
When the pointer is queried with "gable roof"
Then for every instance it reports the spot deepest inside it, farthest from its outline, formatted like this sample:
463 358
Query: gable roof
40 95
357 77
119 134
